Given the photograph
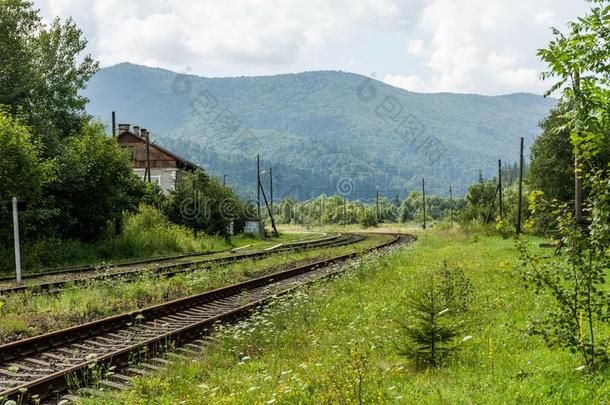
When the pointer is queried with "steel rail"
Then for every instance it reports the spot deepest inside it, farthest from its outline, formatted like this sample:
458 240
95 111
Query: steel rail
44 365
174 268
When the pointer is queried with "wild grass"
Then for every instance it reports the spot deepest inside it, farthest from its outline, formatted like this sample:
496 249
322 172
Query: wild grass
44 313
146 234
336 342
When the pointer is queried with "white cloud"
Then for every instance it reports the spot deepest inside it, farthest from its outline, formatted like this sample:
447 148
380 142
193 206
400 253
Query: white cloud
484 46
411 83
488 46
208 32
415 47
545 17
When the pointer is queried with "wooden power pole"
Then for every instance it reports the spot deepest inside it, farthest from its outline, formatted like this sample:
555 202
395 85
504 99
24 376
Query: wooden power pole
275 232
258 186
500 188
377 208
344 211
271 188
147 139
450 206
113 123
520 209
423 190
321 209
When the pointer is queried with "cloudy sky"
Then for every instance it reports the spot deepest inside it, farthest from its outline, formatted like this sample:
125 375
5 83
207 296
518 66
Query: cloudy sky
472 46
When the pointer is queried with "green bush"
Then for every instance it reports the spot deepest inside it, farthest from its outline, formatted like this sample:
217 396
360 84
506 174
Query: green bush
204 204
150 233
146 233
366 218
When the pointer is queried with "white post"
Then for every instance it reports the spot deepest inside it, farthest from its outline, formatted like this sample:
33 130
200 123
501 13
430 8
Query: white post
16 233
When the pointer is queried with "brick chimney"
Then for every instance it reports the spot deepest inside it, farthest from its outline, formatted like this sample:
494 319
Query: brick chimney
124 128
136 130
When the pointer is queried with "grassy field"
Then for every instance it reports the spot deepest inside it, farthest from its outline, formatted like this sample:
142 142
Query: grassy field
336 342
27 314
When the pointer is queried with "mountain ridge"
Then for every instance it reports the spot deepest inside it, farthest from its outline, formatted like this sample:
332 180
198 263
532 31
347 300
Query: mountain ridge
330 124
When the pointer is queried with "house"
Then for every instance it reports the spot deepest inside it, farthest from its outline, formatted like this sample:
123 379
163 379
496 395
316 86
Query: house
166 167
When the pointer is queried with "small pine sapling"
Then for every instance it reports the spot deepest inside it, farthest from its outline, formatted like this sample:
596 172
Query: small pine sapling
430 331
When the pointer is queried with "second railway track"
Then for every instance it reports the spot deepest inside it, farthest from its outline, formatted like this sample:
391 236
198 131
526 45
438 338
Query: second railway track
169 269
41 368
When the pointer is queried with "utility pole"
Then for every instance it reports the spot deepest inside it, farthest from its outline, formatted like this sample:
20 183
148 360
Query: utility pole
450 206
271 188
377 207
500 187
344 211
269 211
147 139
258 186
423 190
224 179
16 236
520 187
113 123
321 210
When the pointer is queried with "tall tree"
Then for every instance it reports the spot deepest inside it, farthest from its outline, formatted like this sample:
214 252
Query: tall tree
580 61
42 71
552 159
96 184
24 173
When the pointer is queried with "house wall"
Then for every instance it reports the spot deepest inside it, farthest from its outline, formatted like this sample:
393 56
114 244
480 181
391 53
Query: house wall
137 147
166 178
166 168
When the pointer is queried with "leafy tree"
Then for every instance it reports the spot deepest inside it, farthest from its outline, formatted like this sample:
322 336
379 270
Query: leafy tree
95 184
24 173
153 196
284 212
478 201
64 72
204 204
42 71
579 319
366 218
19 22
552 160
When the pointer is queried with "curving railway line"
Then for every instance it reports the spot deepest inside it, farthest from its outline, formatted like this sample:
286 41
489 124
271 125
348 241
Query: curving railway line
42 368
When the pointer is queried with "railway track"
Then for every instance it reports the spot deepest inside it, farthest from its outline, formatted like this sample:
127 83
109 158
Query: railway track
128 263
42 367
128 273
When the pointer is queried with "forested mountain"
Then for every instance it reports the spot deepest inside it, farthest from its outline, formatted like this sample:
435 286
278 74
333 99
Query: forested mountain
321 131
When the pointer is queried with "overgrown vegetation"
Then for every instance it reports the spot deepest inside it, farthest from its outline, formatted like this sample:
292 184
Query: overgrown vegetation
580 317
147 233
27 314
347 346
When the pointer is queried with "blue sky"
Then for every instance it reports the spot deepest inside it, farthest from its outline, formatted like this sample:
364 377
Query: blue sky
469 46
